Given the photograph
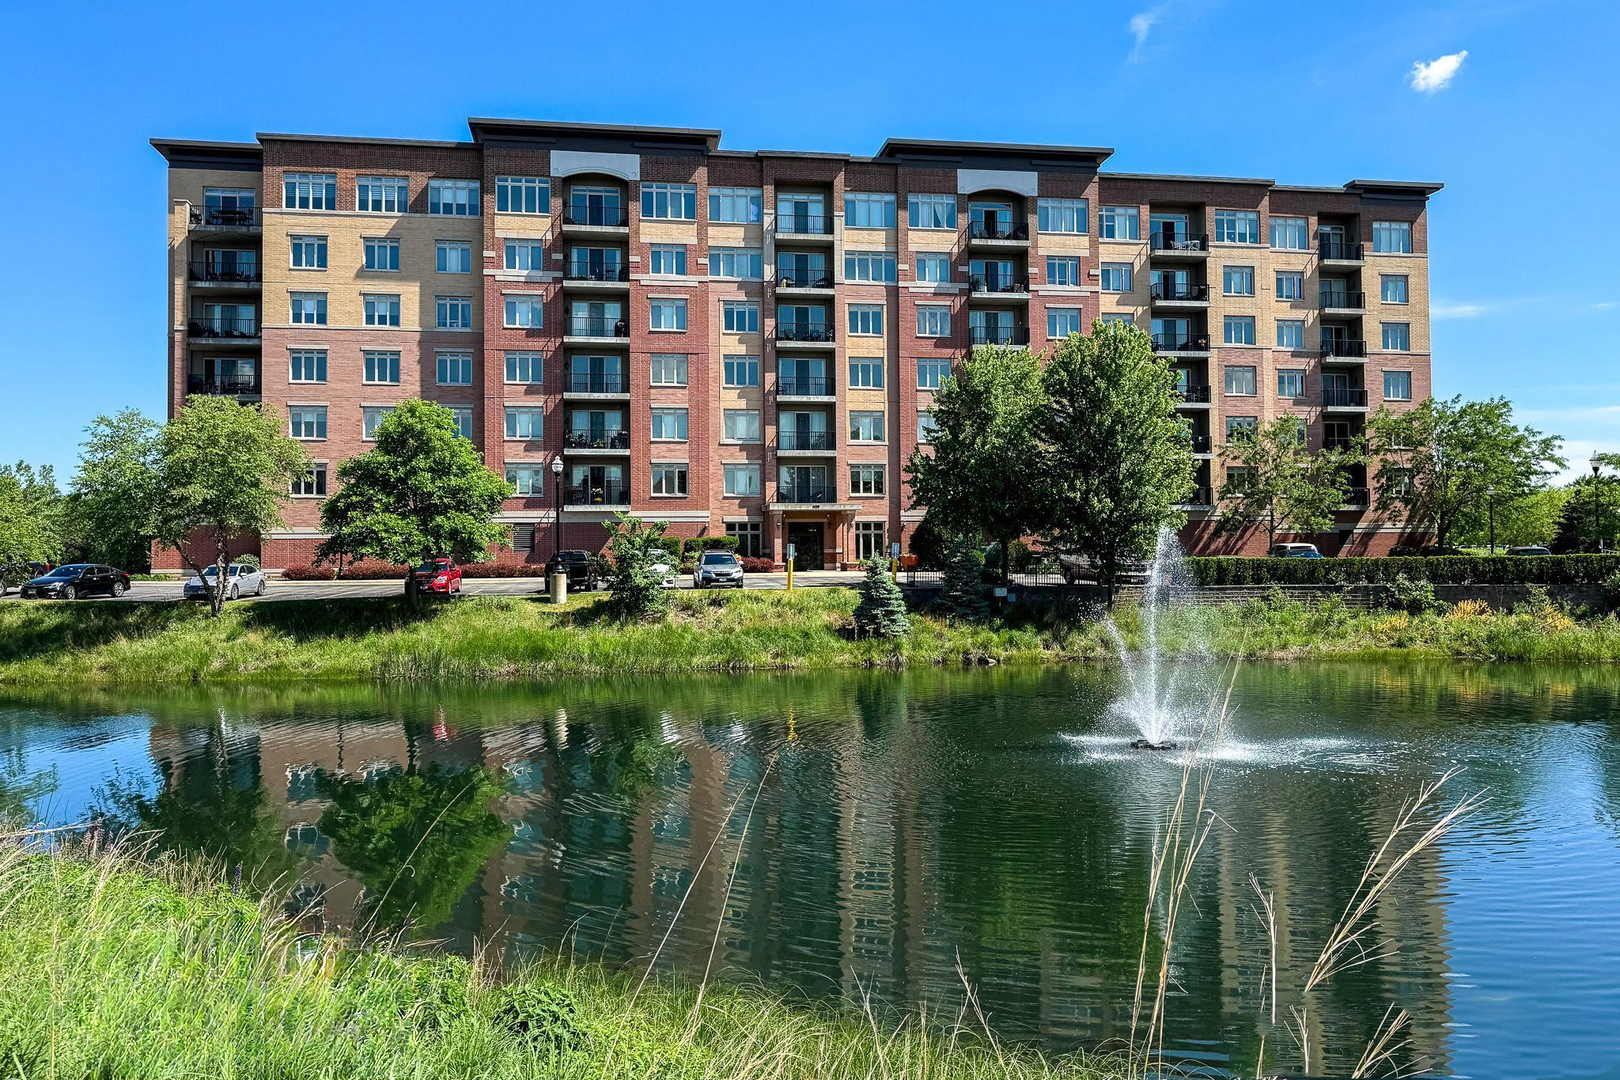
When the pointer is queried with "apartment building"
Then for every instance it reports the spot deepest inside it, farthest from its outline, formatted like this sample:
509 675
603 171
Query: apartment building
748 342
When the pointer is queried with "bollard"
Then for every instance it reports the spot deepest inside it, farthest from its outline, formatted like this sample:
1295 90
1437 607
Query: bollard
558 587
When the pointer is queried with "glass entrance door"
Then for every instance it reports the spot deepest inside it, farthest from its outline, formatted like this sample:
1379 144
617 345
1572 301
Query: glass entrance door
806 538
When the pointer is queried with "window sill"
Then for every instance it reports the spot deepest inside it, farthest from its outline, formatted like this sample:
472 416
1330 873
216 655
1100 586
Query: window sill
666 329
667 386
307 269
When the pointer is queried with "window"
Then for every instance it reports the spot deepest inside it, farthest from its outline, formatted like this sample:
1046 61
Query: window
452 312
311 483
1063 269
1291 383
1239 428
868 211
1061 322
381 310
1290 284
1062 215
527 479
1240 380
668 314
669 424
869 540
454 198
1397 336
867 427
740 425
523 194
308 252
744 264
309 191
370 417
307 421
669 201
740 481
455 369
931 211
933 320
866 319
1397 386
1237 280
1120 223
309 308
463 415
866 372
668 369
931 372
1392 237
382 366
1290 333
741 371
869 266
1118 317
1392 288
926 425
933 268
527 312
382 253
666 259
866 479
734 204
523 367
306 365
740 316
1237 226
1238 329
1290 234
1240 478
452 256
749 534
525 255
381 194
669 479
1116 277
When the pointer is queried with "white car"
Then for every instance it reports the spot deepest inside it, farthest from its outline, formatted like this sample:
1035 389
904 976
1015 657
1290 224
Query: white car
241 580
666 574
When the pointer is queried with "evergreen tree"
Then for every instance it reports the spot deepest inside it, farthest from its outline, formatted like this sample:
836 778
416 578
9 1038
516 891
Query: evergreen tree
882 610
963 596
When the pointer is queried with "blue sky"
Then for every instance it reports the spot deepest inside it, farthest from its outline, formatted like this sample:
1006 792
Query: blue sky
1525 291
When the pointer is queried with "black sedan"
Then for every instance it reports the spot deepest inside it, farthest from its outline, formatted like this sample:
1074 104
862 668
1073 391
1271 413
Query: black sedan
75 580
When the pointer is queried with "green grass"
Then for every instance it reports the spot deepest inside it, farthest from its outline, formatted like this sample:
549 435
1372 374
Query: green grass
113 968
520 638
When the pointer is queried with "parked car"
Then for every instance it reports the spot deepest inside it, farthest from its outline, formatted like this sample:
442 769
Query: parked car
718 568
439 575
14 573
666 574
1294 551
1529 549
240 579
75 580
580 566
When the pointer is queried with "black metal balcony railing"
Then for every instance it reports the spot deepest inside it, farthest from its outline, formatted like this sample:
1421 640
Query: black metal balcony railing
1180 342
588 326
1357 496
1340 298
1344 397
597 439
1200 496
805 493
804 224
789 439
996 283
240 273
998 335
800 386
1338 249
998 230
1198 395
804 331
792 277
1164 242
1352 347
610 216
611 493
588 272
1341 442
224 327
1200 444
224 385
225 216
1180 290
597 382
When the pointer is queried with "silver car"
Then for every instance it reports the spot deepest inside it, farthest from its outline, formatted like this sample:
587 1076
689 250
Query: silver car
718 568
241 580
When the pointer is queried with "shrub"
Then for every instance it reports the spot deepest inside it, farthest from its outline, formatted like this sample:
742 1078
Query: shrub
929 544
308 573
752 565
1411 595
719 543
1021 556
881 611
634 591
503 570
1437 570
249 559
673 546
541 1014
963 595
1469 609
1611 591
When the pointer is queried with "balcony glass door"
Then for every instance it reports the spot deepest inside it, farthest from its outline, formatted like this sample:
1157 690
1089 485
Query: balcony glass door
226 264
1171 229
995 275
595 206
596 318
596 374
804 483
991 219
805 269
594 485
228 199
1171 283
801 213
596 264
802 375
596 428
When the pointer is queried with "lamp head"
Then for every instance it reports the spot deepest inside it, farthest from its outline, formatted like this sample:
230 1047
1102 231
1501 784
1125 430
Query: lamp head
556 466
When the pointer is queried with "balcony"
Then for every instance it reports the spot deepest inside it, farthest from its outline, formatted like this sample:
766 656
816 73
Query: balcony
1180 294
1183 247
596 384
791 279
793 387
1181 344
587 220
1344 397
817 228
225 328
998 234
1201 444
1342 302
1341 442
239 275
585 330
818 496
790 441
1344 349
613 493
998 335
805 335
585 276
997 285
1357 498
223 385
601 440
1194 395
225 219
1342 252
1200 496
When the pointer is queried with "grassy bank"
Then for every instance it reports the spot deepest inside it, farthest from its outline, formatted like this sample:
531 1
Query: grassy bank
519 638
111 968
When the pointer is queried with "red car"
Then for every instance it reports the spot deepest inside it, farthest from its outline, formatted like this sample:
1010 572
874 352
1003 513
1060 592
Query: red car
436 575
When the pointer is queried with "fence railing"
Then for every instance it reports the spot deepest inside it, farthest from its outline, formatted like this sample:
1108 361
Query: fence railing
790 277
609 216
597 382
805 331
804 440
803 224
1180 290
588 272
597 440
232 273
998 230
1163 242
1342 250
224 327
612 493
1340 298
998 335
1344 397
798 386
586 326
246 217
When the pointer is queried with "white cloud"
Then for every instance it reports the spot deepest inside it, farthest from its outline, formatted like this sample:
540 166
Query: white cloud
1427 77
1442 310
1605 305
1141 25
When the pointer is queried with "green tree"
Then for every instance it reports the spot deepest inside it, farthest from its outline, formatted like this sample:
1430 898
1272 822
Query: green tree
963 594
224 470
1590 514
113 502
1275 482
1532 519
981 477
1118 457
1436 462
30 517
881 611
422 491
635 591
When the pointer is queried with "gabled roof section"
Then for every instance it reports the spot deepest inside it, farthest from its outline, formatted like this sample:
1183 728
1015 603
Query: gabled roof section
199 154
552 131
949 152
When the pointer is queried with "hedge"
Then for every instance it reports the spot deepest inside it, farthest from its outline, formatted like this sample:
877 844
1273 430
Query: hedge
1437 570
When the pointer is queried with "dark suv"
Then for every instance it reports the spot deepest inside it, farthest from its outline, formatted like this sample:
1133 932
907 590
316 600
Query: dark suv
580 566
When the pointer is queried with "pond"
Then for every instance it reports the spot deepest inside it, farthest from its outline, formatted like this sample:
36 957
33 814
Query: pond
839 834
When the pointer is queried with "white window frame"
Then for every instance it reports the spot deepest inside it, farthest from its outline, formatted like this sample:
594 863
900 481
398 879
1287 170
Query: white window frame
1297 341
865 320
933 320
933 267
1063 270
526 256
666 260
731 471
380 309
740 426
306 423
867 372
519 415
1296 376
373 246
737 263
453 368
736 205
931 371
453 198
869 210
1110 218
672 366
382 194
523 367
873 422
1067 217
314 481
1288 228
1295 287
1385 280
523 312
866 480
930 210
1237 280
745 312
671 304
1061 322
1392 237
662 414
309 191
307 252
310 304
452 312
369 361
1237 226
670 474
1114 277
670 195
306 362
370 417
1404 336
532 191
1392 397
1253 380
1228 322
878 267
926 426
745 363
446 253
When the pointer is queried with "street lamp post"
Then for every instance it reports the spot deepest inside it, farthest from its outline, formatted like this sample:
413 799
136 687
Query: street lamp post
556 527
1597 505
1490 515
